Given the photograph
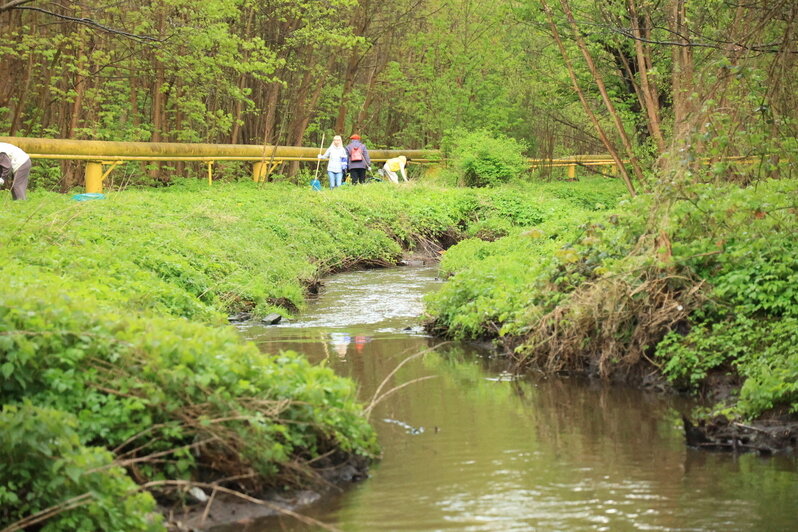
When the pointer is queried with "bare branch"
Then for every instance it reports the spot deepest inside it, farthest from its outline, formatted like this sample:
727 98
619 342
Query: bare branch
17 4
8 6
773 47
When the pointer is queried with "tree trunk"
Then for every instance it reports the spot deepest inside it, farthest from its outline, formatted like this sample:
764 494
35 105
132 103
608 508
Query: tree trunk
242 81
349 82
616 118
269 119
650 101
158 102
682 75
585 105
305 112
70 177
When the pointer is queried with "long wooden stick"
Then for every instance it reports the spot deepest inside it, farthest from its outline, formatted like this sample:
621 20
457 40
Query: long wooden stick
318 161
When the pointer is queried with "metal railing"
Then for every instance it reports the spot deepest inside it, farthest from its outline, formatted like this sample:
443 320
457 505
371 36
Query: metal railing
605 160
572 162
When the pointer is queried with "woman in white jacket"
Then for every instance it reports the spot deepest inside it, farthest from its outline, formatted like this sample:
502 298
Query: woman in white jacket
337 164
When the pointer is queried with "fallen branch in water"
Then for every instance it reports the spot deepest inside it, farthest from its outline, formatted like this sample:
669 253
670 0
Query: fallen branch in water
390 392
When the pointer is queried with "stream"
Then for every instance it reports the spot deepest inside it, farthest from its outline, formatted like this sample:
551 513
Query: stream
474 448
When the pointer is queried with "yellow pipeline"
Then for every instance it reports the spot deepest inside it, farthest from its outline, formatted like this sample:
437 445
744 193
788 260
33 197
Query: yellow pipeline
99 152
107 150
265 158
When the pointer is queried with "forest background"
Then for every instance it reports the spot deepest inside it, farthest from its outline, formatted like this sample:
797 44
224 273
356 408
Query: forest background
702 79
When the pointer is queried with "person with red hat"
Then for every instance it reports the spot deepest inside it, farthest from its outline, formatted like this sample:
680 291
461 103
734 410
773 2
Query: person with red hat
359 160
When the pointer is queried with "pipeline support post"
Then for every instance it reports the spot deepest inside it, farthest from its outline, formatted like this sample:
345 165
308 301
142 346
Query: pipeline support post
93 177
571 171
258 171
262 170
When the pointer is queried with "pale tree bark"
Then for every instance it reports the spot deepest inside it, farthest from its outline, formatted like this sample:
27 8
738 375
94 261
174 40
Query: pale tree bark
616 118
585 105
649 100
11 4
682 75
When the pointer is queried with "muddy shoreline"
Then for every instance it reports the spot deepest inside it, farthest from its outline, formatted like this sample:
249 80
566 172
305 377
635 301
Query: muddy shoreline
226 512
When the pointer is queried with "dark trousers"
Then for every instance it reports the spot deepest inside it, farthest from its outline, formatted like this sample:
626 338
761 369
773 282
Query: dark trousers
20 183
358 175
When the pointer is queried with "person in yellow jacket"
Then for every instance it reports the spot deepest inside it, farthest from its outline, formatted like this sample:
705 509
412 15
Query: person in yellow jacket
397 164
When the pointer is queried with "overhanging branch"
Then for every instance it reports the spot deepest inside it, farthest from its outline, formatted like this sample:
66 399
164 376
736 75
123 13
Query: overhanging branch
8 6
19 4
773 48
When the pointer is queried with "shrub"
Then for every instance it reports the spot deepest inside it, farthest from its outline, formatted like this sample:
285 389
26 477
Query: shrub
485 159
163 383
45 465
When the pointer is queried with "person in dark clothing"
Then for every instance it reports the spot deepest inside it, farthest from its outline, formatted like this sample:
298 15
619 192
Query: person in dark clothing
15 165
359 160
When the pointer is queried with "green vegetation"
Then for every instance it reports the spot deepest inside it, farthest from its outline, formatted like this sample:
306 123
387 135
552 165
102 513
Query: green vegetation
483 159
112 313
709 293
45 461
112 332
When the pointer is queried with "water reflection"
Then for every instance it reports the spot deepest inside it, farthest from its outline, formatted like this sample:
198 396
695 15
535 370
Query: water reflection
340 341
502 453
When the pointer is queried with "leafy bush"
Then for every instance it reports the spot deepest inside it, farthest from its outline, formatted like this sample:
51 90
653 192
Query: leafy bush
761 352
495 287
45 465
165 383
752 326
483 158
598 195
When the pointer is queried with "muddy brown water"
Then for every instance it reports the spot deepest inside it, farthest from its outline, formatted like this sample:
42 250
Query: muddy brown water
475 449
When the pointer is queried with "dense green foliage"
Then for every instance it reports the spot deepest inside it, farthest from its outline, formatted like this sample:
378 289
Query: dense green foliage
493 284
695 281
711 292
750 324
482 158
44 461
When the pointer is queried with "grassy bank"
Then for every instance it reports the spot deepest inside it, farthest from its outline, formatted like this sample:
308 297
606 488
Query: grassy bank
121 379
696 285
